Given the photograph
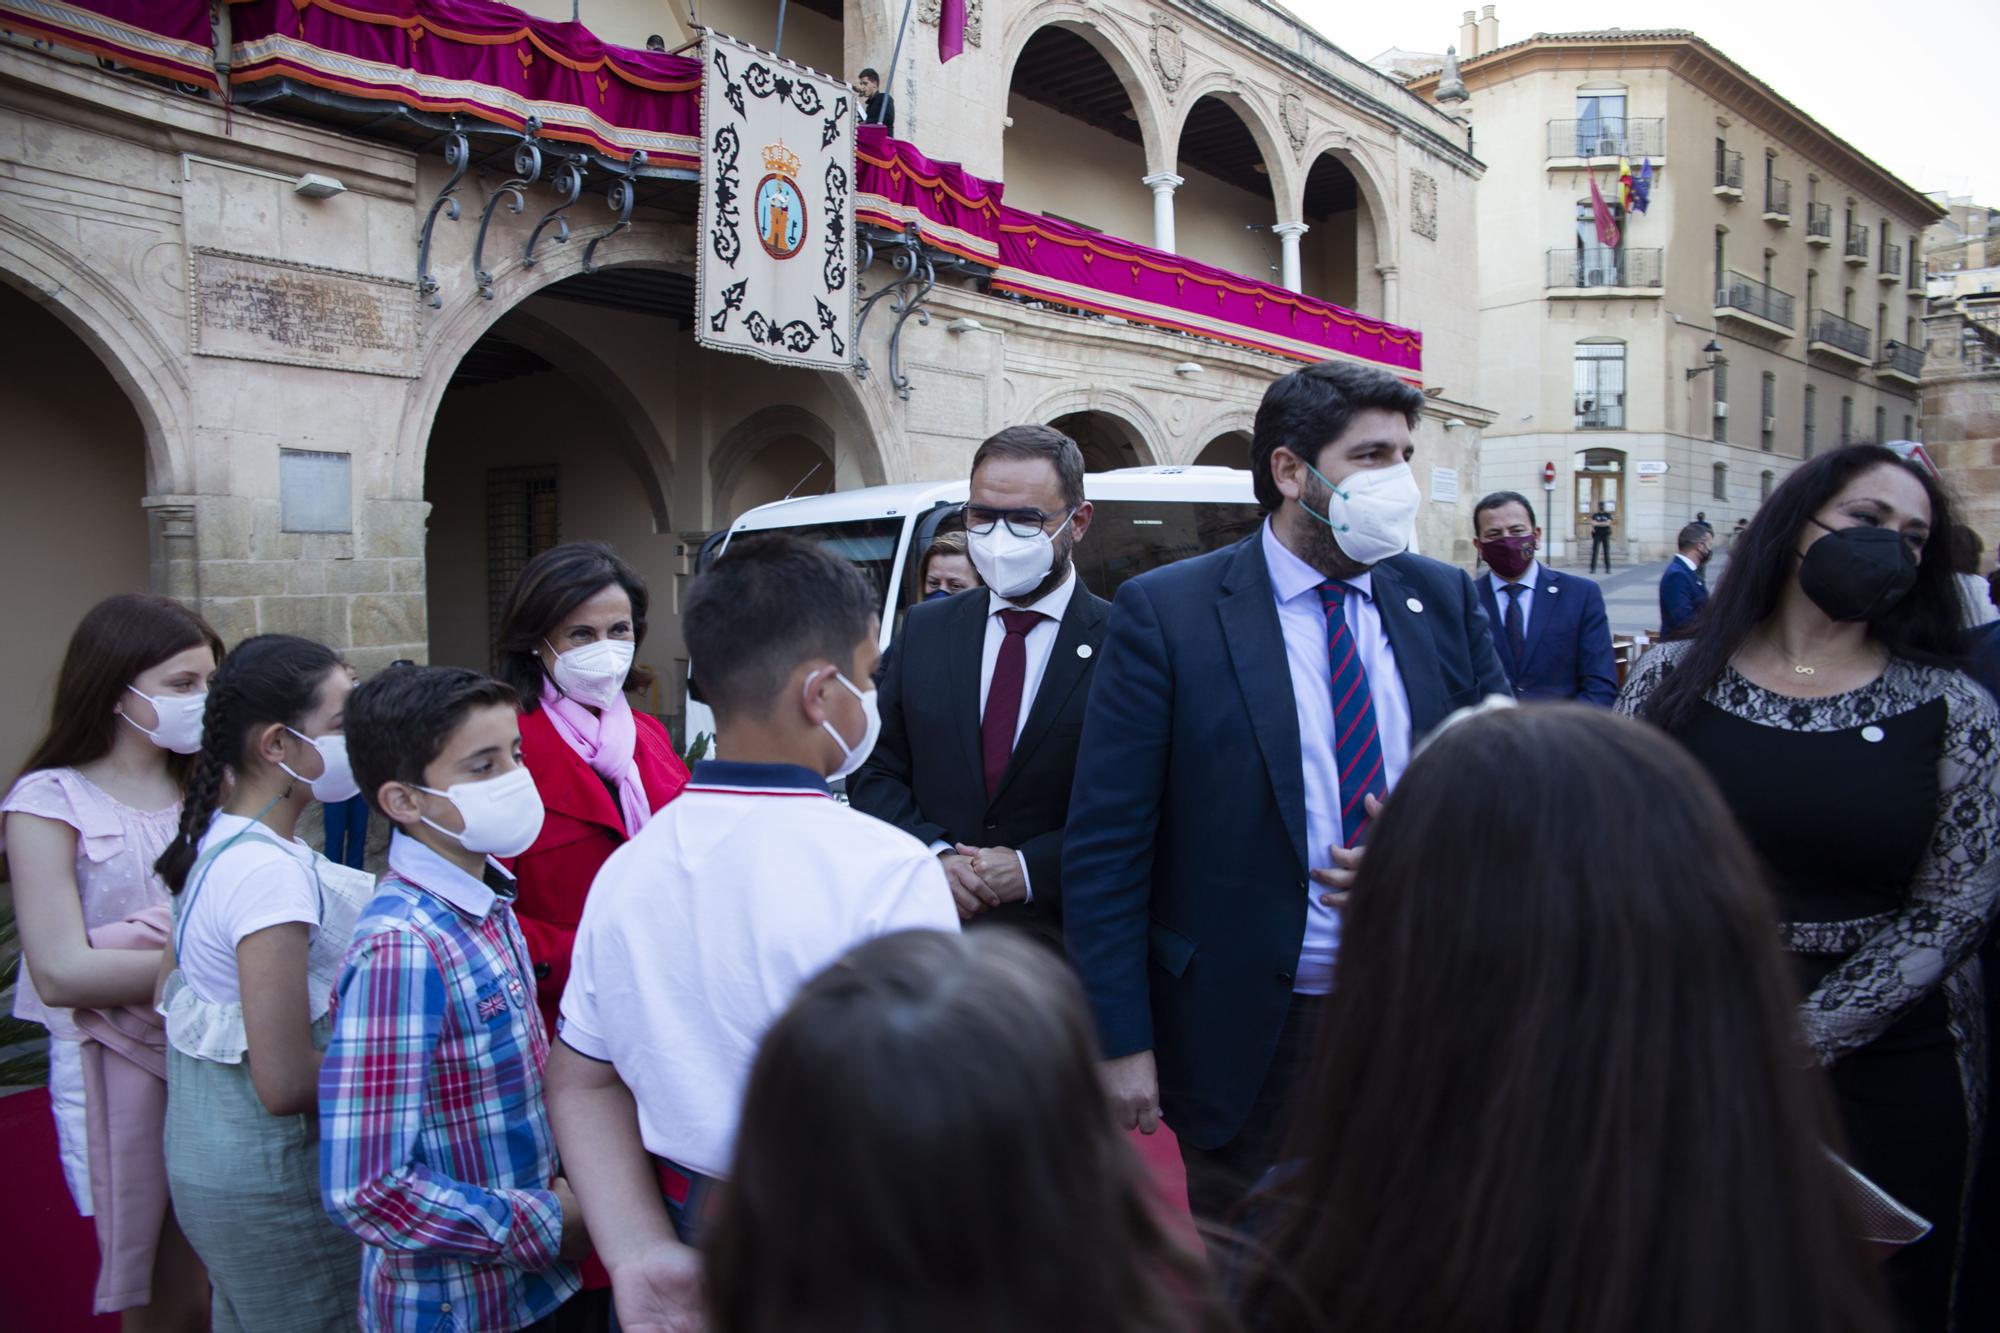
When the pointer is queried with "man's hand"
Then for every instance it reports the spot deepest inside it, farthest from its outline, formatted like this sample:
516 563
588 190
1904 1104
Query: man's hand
660 1291
575 1242
968 890
1339 878
1132 1084
999 868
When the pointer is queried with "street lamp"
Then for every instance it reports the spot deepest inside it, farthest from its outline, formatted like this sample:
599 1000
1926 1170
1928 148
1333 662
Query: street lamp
1715 358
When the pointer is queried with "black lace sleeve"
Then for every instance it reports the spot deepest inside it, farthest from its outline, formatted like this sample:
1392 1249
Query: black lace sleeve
1645 677
1951 900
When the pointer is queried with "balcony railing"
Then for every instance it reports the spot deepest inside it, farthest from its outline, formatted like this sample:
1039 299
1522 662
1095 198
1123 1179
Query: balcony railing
1728 170
1596 266
1892 262
1857 242
1759 300
1902 359
1836 332
1612 136
1819 221
1778 198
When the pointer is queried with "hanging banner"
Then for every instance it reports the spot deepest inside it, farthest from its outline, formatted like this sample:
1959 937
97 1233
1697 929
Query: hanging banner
776 231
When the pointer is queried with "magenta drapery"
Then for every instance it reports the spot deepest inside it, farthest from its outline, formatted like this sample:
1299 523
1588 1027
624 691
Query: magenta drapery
896 185
171 38
481 59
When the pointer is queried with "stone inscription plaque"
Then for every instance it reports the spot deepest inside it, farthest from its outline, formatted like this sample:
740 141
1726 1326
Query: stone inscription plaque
252 309
954 405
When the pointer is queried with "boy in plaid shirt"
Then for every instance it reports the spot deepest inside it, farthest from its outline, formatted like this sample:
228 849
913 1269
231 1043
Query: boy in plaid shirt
435 1145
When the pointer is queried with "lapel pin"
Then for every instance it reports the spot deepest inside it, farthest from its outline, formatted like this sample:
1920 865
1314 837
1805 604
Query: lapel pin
1415 605
1872 735
1553 589
1083 650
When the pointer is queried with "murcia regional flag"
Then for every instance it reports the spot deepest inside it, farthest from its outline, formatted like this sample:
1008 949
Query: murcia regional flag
776 233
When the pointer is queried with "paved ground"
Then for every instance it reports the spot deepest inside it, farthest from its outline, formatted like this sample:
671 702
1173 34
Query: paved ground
1632 592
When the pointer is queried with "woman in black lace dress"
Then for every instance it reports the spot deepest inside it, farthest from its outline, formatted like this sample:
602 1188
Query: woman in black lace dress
1818 692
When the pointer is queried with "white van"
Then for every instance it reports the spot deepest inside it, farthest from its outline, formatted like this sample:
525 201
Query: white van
1143 517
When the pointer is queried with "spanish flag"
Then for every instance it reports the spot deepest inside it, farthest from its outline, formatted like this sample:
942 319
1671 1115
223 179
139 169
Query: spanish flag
1625 183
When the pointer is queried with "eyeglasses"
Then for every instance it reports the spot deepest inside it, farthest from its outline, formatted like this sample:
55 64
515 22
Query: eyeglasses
980 521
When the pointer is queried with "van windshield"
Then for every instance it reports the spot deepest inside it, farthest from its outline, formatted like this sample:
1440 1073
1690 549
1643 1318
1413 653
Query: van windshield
1129 537
869 544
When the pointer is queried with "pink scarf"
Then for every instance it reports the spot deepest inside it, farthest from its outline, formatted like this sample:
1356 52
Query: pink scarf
606 741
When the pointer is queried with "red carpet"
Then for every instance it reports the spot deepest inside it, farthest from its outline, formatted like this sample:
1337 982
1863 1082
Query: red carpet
48 1267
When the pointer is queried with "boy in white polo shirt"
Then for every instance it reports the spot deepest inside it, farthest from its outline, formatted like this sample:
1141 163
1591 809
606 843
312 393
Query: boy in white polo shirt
698 932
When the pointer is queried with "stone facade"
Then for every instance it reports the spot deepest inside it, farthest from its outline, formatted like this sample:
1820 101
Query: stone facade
1962 415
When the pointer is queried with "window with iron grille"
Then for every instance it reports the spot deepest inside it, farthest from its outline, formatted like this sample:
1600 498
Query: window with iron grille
1600 386
521 522
1812 396
1768 427
1721 410
1906 427
1722 481
1881 425
1764 483
1846 421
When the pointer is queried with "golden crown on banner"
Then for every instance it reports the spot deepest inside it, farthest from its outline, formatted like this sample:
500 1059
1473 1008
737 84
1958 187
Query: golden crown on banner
781 160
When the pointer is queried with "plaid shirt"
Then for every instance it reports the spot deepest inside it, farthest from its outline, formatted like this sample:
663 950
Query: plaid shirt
435 1146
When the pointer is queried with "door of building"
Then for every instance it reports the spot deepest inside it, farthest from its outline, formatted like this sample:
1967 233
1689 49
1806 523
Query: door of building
1600 484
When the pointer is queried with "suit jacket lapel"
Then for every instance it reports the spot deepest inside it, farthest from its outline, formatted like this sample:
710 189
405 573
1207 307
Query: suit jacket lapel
1249 615
1082 626
1415 649
966 635
1489 593
1541 613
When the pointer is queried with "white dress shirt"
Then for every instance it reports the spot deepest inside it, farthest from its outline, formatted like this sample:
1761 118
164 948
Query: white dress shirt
1302 619
1040 642
1526 597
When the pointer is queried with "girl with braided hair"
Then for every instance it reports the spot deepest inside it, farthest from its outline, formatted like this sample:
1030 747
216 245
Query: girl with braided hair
97 802
260 924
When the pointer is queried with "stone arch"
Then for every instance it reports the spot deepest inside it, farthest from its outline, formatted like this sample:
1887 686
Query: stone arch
1145 433
740 445
1378 189
119 334
1118 50
1230 89
1223 425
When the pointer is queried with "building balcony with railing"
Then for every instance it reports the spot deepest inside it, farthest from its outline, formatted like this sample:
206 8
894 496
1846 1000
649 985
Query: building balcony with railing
1857 244
1819 224
1600 410
1778 201
1603 271
1577 142
1758 304
1902 363
1891 269
1729 173
1837 337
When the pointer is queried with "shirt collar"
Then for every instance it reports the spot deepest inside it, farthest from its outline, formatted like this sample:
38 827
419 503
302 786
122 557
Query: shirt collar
1292 577
1054 604
1689 563
735 775
1531 578
426 869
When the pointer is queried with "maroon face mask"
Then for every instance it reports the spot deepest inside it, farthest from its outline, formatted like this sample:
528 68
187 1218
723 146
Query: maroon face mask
1509 557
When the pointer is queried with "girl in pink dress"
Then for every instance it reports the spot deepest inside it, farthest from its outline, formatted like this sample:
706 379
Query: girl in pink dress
96 804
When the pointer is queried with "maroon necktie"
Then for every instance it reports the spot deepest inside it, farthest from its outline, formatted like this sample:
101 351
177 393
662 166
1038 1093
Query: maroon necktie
1003 697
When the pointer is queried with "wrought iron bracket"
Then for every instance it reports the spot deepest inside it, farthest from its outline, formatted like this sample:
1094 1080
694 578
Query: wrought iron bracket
621 195
457 156
527 170
568 183
915 276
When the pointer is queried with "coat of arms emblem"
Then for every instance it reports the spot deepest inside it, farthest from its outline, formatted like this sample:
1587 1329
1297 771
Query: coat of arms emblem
780 207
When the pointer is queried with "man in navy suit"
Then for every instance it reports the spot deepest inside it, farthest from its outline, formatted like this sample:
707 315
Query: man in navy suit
1250 708
1682 590
1552 635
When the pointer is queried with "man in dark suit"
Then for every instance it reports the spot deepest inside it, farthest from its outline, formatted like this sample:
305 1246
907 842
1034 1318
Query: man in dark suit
1600 539
1682 590
982 695
877 107
1251 708
1552 635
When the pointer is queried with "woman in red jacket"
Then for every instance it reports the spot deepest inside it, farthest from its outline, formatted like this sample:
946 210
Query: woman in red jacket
567 637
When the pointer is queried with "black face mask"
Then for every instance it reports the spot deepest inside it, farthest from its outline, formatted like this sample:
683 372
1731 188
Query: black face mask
1857 573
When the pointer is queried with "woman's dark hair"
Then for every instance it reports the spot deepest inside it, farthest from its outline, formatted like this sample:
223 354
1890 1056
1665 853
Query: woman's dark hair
269 678
120 637
1561 1092
1310 408
552 585
962 1171
1763 562
1967 550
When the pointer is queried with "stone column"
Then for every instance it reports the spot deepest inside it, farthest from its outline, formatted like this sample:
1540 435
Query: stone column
1163 184
1390 300
176 571
1288 244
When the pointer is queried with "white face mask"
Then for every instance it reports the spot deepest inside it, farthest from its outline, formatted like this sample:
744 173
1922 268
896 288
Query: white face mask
1012 565
336 782
179 718
595 673
1373 512
503 816
856 754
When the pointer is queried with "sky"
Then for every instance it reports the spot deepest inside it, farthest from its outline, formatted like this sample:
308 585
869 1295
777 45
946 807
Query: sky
1908 83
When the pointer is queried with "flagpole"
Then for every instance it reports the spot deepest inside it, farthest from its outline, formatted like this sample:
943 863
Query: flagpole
778 46
889 80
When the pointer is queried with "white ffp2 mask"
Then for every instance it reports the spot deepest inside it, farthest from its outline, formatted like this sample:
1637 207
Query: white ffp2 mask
503 816
857 754
1011 565
595 673
336 781
1373 511
177 719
